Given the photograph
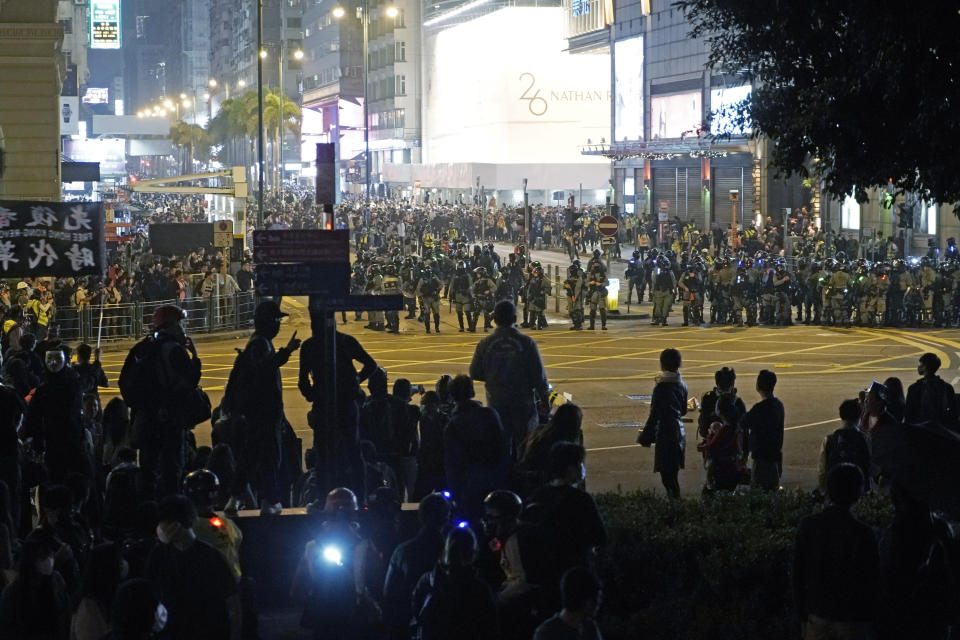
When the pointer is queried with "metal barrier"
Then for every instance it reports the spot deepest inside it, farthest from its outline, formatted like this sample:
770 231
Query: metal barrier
135 320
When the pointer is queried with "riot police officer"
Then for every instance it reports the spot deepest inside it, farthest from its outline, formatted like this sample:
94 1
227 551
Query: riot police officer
482 289
781 292
538 288
634 274
597 290
574 286
664 290
391 286
691 287
375 287
462 297
429 292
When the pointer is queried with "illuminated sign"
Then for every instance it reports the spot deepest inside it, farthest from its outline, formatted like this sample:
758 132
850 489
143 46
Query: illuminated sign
628 73
104 24
676 115
723 107
580 7
96 95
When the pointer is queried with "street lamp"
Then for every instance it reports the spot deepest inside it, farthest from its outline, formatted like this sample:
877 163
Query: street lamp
391 12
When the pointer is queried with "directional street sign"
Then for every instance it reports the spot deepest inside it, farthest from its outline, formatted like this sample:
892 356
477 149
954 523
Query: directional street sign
608 240
608 226
223 233
301 246
357 303
323 279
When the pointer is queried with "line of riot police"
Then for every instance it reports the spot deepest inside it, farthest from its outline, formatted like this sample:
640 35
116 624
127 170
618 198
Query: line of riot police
472 281
763 289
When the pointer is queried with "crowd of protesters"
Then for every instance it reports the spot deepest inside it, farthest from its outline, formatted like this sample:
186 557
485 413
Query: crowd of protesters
115 524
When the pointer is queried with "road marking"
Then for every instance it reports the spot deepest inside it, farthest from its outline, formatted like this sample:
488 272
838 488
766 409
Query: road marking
955 380
812 424
625 446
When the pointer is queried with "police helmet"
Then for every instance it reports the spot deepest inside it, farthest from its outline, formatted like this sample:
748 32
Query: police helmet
663 262
597 253
636 254
573 270
461 267
480 272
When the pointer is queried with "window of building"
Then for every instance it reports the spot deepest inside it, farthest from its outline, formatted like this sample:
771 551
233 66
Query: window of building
294 23
931 218
306 32
400 21
67 25
850 213
142 27
401 84
401 52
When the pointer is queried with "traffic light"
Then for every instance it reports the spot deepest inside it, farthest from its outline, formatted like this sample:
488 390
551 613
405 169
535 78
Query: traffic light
905 214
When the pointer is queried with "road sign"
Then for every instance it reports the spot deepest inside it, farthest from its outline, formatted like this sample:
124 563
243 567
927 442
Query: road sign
608 226
663 205
357 303
323 279
301 246
223 233
608 240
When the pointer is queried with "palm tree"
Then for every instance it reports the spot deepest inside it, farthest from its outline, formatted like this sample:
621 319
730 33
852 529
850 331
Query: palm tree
273 123
192 138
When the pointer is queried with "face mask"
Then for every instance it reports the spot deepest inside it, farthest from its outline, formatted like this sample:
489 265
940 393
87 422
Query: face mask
55 361
159 618
45 566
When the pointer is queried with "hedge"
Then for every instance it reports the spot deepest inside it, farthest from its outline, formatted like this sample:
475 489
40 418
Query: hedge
715 568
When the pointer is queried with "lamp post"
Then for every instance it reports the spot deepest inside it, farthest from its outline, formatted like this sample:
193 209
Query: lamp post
260 56
391 12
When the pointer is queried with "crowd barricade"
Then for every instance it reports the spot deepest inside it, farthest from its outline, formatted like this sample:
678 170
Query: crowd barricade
135 319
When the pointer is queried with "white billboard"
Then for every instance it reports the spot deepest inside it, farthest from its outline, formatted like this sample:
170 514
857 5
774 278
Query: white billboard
723 103
628 76
109 152
96 95
104 24
69 116
524 100
675 115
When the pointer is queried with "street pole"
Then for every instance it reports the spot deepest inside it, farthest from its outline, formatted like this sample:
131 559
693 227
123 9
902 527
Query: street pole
366 106
260 114
282 133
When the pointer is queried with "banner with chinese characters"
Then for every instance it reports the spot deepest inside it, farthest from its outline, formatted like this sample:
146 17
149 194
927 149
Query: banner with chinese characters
51 239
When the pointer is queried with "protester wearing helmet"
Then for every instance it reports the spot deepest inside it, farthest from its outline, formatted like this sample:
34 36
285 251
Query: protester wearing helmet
575 287
159 382
202 488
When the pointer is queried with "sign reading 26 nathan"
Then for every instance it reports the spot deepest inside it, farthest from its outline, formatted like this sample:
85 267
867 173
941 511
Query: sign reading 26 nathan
538 99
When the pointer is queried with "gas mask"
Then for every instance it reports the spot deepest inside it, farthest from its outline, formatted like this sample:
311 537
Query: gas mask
55 361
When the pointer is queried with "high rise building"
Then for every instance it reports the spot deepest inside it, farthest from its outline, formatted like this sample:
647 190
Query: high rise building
335 67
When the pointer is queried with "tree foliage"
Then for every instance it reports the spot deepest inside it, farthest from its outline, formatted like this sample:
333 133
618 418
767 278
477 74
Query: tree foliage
853 93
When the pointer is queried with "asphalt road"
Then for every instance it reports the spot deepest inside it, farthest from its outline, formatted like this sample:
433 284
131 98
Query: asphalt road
610 375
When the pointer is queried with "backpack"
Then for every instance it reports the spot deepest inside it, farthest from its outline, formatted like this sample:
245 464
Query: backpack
848 445
139 377
937 582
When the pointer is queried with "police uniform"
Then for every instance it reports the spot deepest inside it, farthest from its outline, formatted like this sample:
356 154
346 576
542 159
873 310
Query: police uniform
574 287
664 290
597 291
483 288
875 297
390 286
375 287
537 291
692 295
429 292
461 295
634 274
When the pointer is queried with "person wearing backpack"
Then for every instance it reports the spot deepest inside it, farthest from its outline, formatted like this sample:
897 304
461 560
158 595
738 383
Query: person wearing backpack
931 398
846 444
920 595
836 565
158 379
476 450
451 601
255 393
